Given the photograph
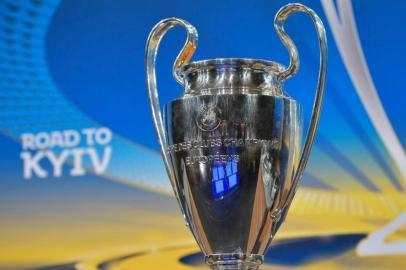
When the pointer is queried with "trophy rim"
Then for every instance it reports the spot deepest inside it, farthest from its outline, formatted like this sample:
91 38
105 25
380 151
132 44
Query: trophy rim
183 98
221 63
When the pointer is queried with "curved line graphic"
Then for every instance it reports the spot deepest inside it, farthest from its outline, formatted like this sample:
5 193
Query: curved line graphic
345 33
344 163
30 102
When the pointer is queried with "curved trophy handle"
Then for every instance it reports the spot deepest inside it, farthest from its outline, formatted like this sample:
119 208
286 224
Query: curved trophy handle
280 18
183 58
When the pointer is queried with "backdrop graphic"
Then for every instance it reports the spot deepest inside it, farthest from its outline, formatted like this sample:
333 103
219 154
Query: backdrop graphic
82 185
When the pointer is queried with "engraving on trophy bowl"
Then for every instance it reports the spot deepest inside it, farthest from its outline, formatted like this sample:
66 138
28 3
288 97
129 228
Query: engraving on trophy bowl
208 118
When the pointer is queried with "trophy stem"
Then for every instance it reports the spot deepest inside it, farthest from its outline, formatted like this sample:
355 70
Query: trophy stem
234 261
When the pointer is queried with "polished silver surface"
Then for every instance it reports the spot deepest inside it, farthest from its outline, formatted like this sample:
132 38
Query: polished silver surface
231 143
234 158
231 76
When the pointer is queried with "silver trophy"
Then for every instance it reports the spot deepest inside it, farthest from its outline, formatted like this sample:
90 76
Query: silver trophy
231 143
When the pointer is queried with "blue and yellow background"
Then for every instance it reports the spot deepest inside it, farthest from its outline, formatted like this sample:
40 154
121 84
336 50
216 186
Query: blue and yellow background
75 64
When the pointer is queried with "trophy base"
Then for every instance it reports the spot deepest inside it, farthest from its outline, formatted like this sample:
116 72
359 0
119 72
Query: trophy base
234 261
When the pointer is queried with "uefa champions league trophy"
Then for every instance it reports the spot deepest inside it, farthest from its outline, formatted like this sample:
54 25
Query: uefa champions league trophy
231 143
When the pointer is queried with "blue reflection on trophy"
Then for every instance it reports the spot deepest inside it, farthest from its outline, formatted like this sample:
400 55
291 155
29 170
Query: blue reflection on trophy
225 177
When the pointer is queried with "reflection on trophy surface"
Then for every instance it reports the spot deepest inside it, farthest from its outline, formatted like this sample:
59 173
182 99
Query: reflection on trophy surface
231 143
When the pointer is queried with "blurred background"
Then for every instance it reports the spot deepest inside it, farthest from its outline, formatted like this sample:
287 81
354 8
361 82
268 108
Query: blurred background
82 184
